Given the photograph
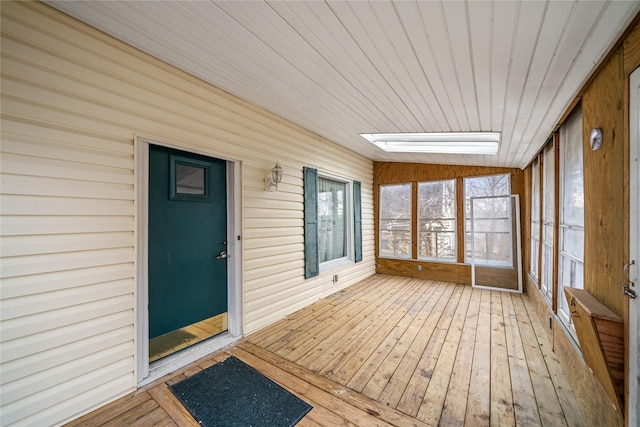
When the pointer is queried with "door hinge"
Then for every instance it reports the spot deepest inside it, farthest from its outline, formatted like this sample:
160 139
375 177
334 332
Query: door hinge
628 292
628 283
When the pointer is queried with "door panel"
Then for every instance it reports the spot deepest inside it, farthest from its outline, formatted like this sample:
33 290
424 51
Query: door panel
187 232
495 243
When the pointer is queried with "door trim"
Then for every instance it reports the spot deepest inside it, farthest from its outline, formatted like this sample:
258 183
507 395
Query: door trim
145 372
633 350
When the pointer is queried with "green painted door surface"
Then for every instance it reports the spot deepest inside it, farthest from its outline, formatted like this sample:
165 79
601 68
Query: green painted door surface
187 234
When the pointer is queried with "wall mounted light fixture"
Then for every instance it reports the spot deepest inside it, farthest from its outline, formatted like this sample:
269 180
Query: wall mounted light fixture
271 184
596 139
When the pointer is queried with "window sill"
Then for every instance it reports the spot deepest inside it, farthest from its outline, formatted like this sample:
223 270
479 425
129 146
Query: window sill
325 267
438 260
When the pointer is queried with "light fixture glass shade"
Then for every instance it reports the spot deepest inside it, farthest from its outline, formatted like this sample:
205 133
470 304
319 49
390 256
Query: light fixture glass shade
437 143
276 173
271 183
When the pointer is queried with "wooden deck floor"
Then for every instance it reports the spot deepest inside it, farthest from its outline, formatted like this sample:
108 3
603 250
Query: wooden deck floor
393 351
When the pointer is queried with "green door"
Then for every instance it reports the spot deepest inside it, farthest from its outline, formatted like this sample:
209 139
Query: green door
187 240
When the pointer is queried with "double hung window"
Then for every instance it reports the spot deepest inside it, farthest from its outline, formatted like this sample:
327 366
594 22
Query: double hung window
332 222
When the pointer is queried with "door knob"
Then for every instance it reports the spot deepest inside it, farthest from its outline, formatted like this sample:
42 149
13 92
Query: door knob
222 255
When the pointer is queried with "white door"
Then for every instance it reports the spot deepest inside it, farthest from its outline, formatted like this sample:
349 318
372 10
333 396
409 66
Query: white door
632 269
496 262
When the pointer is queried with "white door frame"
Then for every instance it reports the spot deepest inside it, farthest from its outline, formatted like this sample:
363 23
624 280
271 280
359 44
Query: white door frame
146 372
634 249
515 217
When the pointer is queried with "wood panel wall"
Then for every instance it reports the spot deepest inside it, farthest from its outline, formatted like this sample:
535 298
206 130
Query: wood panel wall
602 107
606 185
596 406
394 173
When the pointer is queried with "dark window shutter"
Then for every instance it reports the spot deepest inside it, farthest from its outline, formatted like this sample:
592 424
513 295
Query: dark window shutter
311 262
357 220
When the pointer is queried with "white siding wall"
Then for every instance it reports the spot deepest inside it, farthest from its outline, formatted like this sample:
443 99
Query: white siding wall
72 101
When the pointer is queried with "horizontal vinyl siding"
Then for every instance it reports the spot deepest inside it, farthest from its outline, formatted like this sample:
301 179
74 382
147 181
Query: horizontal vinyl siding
72 101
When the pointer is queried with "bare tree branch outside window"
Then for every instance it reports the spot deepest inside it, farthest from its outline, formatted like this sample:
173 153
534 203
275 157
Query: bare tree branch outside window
395 220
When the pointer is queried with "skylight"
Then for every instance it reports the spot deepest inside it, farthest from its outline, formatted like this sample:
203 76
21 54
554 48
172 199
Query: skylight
436 143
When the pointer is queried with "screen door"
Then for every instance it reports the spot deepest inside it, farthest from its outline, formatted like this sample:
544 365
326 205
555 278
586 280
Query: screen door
495 243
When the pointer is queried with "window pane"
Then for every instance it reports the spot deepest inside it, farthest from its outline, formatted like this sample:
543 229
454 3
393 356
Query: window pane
332 242
535 218
535 191
572 242
572 183
437 220
483 186
190 179
571 187
395 220
548 190
548 214
571 275
571 238
492 230
547 270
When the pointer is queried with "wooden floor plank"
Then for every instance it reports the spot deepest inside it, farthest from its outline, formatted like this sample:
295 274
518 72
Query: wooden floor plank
455 404
108 412
567 399
424 353
435 396
300 341
415 390
374 361
278 331
157 417
346 371
346 332
383 375
546 397
361 402
524 400
345 317
133 416
170 404
310 393
400 378
355 344
478 401
307 422
501 413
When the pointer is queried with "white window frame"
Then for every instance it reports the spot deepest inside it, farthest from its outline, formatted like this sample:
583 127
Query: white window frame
454 259
348 224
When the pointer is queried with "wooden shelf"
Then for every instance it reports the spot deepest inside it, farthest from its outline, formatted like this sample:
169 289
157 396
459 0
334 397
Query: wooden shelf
601 336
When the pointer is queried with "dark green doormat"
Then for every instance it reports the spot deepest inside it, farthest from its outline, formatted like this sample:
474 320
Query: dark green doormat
233 394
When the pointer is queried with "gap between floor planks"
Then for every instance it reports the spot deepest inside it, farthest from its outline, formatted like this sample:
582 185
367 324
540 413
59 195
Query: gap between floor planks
414 348
446 354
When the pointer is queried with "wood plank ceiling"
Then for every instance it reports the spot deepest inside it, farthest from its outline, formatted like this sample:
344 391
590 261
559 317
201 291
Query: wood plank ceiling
343 68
